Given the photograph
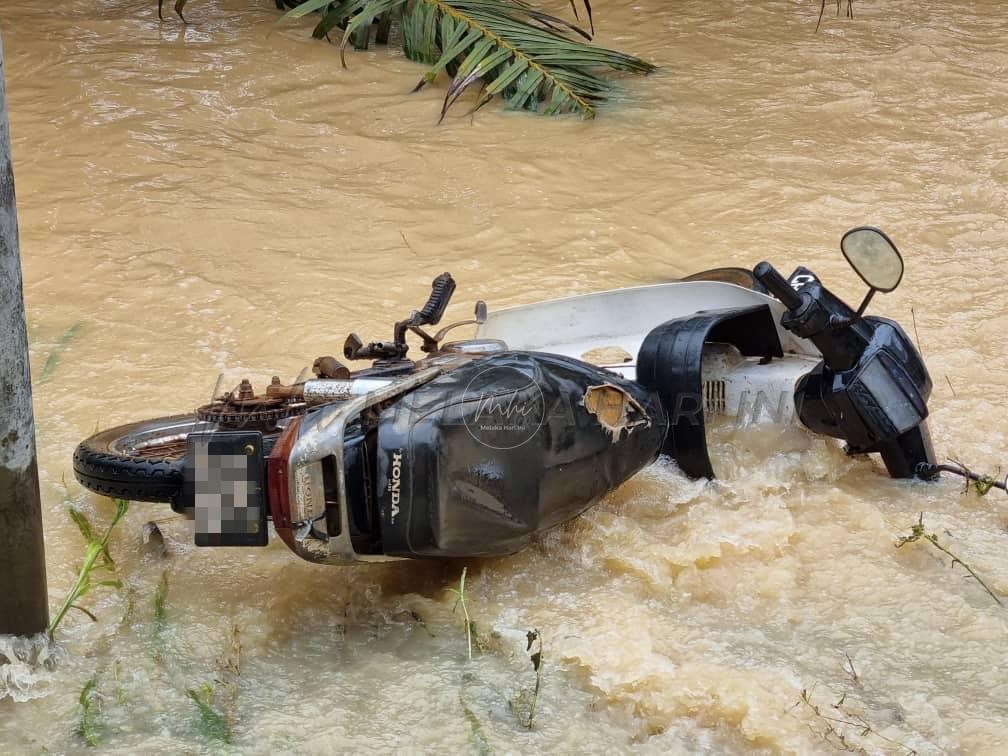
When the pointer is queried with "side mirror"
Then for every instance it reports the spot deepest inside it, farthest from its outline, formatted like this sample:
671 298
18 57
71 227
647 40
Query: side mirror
874 258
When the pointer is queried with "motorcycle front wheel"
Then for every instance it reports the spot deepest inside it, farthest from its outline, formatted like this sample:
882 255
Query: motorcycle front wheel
142 461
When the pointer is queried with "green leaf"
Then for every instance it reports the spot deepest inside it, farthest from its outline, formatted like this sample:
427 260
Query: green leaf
479 51
511 73
333 18
52 361
91 552
160 596
88 700
309 6
458 40
83 525
360 25
525 89
212 725
94 549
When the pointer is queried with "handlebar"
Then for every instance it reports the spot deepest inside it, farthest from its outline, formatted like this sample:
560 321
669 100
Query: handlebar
870 389
442 289
777 285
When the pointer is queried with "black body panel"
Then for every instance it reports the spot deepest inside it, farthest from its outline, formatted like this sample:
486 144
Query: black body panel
480 459
358 461
877 405
670 361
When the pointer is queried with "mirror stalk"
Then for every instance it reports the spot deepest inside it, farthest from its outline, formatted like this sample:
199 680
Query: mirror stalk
865 301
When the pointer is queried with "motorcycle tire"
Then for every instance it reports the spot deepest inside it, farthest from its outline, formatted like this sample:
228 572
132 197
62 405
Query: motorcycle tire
142 461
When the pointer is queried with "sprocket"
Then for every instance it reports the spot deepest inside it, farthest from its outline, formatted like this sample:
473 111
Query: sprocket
253 412
242 408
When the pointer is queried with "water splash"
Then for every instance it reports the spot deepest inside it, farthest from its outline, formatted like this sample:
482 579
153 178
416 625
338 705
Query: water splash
27 666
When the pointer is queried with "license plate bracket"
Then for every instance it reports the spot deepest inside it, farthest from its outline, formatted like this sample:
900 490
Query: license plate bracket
224 486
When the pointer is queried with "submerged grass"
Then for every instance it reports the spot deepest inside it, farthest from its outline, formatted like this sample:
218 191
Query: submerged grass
536 659
96 557
212 725
460 601
849 669
524 702
160 616
479 738
52 361
217 703
160 595
918 532
844 729
90 708
229 675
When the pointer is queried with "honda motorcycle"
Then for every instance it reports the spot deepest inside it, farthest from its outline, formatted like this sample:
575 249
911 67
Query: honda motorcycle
480 444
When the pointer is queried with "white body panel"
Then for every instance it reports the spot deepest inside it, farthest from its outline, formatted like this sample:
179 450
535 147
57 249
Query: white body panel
742 388
618 321
622 318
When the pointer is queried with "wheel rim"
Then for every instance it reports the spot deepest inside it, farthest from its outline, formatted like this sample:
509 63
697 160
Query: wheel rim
167 441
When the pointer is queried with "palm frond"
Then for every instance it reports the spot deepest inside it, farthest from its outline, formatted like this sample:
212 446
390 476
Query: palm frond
521 55
588 11
513 50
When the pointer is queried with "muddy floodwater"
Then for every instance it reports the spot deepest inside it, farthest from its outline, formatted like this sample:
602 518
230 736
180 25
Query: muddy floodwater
223 197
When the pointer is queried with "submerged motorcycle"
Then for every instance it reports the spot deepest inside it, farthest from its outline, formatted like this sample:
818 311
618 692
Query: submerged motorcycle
484 442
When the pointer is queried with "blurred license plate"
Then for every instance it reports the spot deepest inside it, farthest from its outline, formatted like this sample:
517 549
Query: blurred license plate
224 486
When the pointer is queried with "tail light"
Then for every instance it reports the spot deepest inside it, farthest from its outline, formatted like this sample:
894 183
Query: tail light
277 481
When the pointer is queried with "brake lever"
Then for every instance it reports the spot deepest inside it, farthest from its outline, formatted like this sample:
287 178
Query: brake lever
479 318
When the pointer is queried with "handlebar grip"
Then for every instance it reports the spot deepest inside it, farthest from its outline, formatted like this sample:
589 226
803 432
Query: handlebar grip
777 285
442 289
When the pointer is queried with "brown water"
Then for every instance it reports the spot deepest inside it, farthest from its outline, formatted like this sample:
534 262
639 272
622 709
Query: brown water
218 198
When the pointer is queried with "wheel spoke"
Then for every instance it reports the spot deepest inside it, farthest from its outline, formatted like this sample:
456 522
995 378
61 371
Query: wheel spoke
173 448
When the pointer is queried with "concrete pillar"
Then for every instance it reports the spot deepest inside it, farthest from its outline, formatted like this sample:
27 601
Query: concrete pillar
24 606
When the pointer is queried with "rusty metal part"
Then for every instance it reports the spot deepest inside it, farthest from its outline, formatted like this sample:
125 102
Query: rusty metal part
355 349
244 408
429 343
244 416
277 390
244 392
330 367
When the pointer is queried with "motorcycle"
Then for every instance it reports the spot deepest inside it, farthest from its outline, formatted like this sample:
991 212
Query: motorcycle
482 443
